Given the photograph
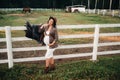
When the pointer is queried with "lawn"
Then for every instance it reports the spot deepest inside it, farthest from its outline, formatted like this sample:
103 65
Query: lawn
107 68
38 17
16 18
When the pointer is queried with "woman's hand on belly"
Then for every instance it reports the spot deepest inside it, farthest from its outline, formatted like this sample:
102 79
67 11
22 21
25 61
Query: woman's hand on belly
52 43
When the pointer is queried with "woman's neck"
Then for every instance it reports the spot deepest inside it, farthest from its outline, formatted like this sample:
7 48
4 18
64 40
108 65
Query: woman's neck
50 27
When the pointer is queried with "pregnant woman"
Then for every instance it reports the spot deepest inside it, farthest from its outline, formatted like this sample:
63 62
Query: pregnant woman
51 41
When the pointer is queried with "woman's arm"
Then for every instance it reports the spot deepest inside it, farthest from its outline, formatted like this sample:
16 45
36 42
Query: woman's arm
56 38
44 25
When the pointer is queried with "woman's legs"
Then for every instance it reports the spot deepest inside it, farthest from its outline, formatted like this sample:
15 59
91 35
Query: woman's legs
52 61
47 65
49 57
52 64
49 62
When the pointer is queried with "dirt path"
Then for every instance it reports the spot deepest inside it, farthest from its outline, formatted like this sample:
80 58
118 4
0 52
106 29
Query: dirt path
113 38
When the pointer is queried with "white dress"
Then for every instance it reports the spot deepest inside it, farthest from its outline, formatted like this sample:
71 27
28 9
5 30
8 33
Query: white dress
49 52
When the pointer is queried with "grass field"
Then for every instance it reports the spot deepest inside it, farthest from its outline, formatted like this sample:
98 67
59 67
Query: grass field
13 18
38 17
16 18
107 68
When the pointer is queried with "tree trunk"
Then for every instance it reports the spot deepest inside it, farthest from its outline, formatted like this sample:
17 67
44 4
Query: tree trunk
48 3
88 4
110 5
72 2
119 4
103 5
95 4
119 8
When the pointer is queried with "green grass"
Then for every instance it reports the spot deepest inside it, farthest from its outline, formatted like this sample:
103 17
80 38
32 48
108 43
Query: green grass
16 18
107 68
38 17
75 41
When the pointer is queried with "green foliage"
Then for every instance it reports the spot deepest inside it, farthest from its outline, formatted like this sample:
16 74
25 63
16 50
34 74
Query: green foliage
107 68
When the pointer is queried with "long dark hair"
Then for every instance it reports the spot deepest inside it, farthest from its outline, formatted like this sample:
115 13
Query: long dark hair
54 21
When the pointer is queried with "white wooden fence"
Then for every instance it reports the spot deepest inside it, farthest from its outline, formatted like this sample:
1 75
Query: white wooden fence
95 43
36 9
98 11
104 12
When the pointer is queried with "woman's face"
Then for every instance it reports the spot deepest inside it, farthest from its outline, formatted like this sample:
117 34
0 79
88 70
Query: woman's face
50 22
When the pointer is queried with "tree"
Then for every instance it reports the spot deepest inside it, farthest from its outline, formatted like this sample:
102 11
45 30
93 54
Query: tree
110 4
73 2
91 4
88 4
103 5
95 4
119 5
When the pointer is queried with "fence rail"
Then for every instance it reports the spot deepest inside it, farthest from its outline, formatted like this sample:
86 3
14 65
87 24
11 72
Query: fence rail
96 35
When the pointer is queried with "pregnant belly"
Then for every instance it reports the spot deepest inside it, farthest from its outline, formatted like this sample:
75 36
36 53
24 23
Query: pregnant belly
46 40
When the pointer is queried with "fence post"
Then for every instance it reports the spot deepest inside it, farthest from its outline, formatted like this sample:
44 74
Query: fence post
98 12
9 46
104 13
96 41
113 13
